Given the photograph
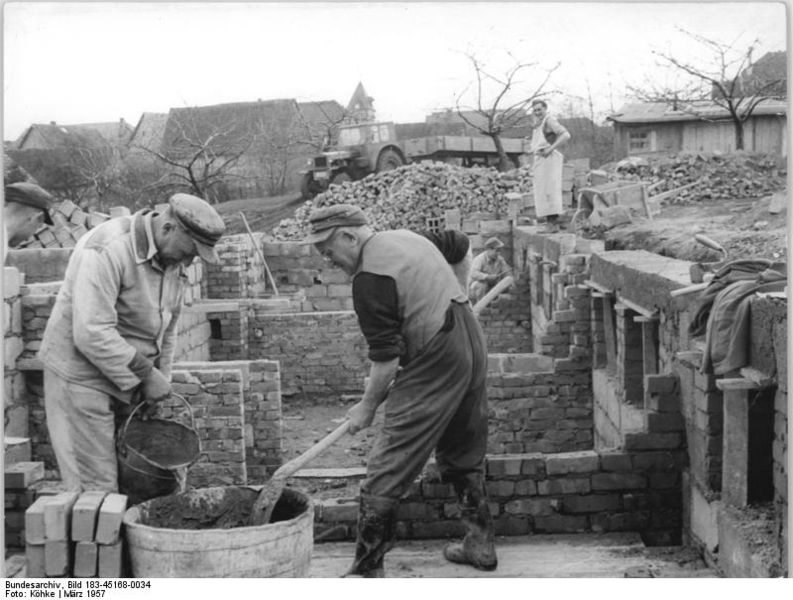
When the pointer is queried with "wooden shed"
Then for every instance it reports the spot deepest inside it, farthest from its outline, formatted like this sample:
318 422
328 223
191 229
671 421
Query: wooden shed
655 127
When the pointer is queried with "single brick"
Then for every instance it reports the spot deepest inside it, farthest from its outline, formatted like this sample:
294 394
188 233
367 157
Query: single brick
84 516
108 525
22 474
57 557
34 521
563 486
572 462
34 556
85 559
618 481
109 559
615 461
57 516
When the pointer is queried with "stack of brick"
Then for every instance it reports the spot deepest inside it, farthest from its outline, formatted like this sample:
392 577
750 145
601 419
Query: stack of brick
37 303
216 400
69 224
73 534
20 493
536 407
261 397
241 273
544 493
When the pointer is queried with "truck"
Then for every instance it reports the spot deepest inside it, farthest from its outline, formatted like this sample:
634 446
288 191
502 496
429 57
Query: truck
367 148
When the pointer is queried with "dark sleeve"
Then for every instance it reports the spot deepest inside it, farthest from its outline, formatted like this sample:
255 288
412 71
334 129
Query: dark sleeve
377 305
452 244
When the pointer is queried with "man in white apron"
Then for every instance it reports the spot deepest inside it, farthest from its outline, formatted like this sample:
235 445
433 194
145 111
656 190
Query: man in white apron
547 170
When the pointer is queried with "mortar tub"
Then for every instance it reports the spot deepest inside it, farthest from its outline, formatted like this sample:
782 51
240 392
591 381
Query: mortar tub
174 546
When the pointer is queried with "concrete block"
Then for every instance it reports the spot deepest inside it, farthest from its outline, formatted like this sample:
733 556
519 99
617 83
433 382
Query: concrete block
17 450
109 559
35 558
85 559
84 516
57 558
108 526
11 282
58 515
34 522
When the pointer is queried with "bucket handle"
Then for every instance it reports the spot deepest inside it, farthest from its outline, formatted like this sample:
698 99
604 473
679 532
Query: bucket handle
123 435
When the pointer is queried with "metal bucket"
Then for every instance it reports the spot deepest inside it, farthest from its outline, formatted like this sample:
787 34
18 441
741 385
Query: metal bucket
150 454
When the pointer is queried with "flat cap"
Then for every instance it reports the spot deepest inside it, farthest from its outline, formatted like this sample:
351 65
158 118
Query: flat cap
30 194
201 222
494 242
322 221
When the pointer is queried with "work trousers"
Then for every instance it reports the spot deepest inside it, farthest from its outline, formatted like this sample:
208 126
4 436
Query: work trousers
82 426
438 401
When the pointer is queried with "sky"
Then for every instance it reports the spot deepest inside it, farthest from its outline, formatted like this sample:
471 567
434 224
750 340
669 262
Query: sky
101 61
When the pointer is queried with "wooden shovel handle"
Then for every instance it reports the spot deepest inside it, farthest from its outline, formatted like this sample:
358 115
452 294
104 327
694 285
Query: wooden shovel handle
290 468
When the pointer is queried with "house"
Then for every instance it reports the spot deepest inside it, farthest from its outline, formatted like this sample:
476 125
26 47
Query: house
263 144
53 136
360 108
148 133
654 127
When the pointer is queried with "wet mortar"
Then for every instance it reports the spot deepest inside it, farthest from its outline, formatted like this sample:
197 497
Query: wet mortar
227 509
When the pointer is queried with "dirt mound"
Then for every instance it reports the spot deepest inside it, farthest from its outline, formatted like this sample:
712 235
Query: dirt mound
406 197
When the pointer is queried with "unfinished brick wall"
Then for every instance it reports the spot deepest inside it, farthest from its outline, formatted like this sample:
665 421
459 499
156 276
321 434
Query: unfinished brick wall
537 407
323 355
216 399
14 409
40 265
538 493
240 273
261 399
506 321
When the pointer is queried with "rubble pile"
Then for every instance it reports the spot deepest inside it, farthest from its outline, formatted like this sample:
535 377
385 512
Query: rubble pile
406 197
714 176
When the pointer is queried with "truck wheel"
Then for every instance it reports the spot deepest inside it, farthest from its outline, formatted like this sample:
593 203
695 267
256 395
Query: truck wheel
309 187
389 160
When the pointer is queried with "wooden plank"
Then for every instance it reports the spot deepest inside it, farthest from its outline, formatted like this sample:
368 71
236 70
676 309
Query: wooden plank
649 348
735 465
737 383
610 335
600 288
645 312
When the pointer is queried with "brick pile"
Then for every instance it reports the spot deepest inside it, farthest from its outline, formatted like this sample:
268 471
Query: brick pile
69 224
405 198
717 177
75 534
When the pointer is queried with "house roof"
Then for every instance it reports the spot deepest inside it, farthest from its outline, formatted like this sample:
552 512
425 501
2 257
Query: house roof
662 112
149 131
231 124
323 111
88 135
360 100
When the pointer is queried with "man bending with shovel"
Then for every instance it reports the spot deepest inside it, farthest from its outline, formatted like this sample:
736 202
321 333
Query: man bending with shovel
413 315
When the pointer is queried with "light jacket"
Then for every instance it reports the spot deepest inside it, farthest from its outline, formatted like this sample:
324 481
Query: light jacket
117 311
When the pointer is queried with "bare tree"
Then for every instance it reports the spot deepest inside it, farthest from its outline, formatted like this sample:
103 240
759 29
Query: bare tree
496 103
203 161
724 78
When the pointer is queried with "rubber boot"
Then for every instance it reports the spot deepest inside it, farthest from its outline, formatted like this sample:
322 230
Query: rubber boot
376 533
478 547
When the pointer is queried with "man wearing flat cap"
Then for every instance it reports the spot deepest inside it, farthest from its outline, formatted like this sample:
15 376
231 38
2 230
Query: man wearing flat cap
487 269
27 207
110 340
429 364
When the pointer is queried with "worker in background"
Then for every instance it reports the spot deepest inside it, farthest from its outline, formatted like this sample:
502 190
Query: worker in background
487 269
27 207
548 136
429 366
456 249
110 340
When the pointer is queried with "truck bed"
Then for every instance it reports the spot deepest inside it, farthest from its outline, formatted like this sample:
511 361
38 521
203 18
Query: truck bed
450 145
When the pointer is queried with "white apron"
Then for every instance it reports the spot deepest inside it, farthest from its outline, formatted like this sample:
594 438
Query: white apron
547 174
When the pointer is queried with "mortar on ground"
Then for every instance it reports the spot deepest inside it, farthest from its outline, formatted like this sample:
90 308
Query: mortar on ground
202 533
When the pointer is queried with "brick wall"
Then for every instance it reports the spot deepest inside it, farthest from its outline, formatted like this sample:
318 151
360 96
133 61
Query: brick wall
40 265
506 321
240 273
261 399
544 493
14 410
537 407
323 355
